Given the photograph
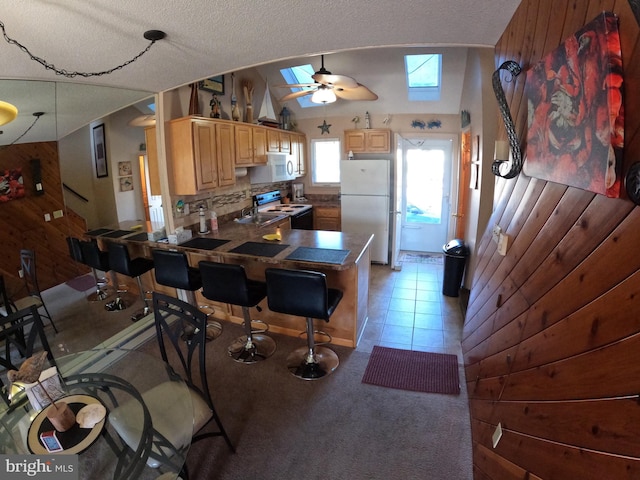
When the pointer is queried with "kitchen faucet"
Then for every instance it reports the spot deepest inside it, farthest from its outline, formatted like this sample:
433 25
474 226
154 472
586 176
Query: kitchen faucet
253 211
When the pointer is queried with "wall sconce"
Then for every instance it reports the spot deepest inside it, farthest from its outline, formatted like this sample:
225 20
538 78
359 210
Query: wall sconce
502 167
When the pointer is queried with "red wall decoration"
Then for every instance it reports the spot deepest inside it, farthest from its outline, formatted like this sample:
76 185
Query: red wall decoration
11 185
576 117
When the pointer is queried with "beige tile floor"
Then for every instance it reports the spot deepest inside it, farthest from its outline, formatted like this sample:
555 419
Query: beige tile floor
407 310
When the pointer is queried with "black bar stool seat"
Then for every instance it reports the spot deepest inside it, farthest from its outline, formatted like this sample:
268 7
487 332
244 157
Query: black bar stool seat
228 283
121 262
305 293
92 256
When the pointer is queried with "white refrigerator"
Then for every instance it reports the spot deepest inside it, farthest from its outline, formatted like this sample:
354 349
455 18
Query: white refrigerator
364 198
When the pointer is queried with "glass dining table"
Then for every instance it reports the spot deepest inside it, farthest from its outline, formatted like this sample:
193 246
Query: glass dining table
111 384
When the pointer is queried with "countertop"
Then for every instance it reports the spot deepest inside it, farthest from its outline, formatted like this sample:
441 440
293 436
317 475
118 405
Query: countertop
238 234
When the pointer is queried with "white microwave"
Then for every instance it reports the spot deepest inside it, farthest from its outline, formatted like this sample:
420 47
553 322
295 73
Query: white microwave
279 168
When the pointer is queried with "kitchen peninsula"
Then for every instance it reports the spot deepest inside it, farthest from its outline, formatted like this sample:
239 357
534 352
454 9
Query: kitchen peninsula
344 258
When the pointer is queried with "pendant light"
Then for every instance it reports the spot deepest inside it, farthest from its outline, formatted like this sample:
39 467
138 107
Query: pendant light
8 113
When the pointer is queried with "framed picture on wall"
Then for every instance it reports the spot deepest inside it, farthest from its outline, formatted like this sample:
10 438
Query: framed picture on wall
100 151
213 84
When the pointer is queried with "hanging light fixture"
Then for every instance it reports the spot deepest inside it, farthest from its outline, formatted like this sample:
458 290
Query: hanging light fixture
8 113
323 94
152 35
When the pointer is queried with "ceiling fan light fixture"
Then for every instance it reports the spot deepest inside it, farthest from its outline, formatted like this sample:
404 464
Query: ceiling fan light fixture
8 112
323 95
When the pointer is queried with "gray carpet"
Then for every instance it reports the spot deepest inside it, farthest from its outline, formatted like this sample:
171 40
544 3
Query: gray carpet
334 428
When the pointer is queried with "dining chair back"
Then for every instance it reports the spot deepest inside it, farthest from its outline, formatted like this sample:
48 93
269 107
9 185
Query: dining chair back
181 334
6 305
23 334
34 297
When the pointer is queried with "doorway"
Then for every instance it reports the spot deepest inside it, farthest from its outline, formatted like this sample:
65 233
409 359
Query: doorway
152 203
426 172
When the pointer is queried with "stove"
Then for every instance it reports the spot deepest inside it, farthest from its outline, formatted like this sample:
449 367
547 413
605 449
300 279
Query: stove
301 214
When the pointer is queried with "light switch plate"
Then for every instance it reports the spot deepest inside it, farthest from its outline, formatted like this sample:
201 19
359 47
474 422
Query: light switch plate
47 217
503 244
497 435
495 233
57 213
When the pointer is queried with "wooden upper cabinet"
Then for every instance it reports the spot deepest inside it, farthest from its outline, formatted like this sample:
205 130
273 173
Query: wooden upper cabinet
285 142
278 141
371 140
202 154
299 150
226 154
251 145
152 160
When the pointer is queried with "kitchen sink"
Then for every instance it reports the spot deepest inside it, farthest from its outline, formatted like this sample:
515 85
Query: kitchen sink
261 219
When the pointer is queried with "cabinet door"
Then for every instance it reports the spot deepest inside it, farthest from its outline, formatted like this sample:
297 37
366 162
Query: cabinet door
285 142
226 153
244 145
273 140
302 155
259 146
354 141
378 141
204 155
152 160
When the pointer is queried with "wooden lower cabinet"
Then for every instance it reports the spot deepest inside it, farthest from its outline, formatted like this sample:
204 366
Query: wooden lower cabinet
326 218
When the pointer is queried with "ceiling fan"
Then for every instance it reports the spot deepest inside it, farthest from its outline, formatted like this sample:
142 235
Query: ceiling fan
328 87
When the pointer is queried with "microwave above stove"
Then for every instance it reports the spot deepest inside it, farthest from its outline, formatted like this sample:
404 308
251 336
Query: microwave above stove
279 168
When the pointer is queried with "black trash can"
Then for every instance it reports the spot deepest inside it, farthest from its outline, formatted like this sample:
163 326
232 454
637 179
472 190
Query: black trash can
455 259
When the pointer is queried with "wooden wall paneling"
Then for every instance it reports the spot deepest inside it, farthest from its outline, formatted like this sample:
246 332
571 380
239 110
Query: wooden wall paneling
616 255
572 352
609 371
489 262
496 466
607 425
600 322
595 224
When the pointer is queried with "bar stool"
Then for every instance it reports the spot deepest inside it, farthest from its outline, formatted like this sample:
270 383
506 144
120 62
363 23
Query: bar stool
172 270
305 294
228 283
120 261
95 258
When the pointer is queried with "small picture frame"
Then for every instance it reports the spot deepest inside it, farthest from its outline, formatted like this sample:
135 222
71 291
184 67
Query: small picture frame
100 151
213 84
126 184
124 169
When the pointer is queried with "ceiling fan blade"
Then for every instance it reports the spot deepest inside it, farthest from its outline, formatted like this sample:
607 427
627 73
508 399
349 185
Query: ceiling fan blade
341 81
359 93
292 95
297 85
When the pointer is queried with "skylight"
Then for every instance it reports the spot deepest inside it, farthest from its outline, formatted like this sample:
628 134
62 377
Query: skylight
300 74
423 76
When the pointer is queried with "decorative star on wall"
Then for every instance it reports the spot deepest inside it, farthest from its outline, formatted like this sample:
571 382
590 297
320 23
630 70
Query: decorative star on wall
324 128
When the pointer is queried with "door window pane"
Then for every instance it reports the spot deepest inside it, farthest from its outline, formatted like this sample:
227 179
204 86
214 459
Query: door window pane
424 184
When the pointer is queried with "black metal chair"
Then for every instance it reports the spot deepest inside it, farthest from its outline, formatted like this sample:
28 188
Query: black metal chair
176 320
305 294
121 262
172 269
20 331
98 260
34 297
228 283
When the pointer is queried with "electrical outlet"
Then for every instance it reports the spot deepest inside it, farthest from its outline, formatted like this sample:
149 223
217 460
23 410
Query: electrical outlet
47 217
496 233
497 435
503 244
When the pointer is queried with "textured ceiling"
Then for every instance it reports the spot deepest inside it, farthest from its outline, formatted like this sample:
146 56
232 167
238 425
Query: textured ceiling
210 37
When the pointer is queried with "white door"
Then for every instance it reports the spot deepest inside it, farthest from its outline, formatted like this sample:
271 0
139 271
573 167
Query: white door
396 212
427 182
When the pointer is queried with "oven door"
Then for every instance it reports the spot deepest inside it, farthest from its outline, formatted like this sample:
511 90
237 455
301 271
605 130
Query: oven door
303 220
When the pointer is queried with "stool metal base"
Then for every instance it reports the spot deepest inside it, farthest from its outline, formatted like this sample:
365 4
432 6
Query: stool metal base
101 293
260 348
140 314
323 362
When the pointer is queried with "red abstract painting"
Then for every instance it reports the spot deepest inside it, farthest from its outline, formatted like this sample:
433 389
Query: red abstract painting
11 185
576 113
